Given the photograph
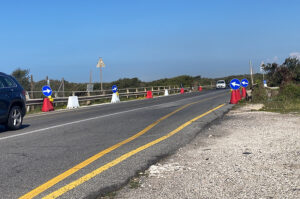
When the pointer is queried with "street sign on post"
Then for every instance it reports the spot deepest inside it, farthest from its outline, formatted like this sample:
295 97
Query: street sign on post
245 83
90 87
235 84
47 91
114 89
100 65
265 83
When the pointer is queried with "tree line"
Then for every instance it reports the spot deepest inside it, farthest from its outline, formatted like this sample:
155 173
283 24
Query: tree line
23 76
286 73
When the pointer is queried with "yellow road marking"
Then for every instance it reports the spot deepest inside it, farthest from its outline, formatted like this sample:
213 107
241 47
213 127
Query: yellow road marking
88 176
88 161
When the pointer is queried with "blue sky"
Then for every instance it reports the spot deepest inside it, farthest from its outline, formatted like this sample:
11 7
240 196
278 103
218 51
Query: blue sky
148 39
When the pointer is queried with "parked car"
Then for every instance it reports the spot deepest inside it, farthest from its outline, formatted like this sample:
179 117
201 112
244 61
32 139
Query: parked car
221 84
12 102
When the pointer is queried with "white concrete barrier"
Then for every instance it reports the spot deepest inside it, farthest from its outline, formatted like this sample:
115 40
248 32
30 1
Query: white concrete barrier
115 98
166 92
73 102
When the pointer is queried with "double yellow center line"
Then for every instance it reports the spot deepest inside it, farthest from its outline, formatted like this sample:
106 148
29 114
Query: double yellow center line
83 164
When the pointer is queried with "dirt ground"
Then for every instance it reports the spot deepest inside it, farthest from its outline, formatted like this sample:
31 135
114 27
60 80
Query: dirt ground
247 154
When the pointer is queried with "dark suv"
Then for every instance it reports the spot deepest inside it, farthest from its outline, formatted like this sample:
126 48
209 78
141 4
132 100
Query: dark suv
12 102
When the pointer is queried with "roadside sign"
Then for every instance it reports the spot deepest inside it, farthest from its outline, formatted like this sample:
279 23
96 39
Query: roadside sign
90 87
265 83
47 91
114 89
235 84
244 83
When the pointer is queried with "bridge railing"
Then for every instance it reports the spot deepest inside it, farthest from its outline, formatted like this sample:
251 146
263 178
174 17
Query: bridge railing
85 96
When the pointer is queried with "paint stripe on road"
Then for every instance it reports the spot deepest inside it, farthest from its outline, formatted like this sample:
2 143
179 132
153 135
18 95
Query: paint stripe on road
83 164
96 172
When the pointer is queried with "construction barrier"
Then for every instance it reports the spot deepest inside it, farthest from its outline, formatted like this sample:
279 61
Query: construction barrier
200 88
73 102
182 90
149 94
233 98
47 105
166 92
238 95
244 93
115 98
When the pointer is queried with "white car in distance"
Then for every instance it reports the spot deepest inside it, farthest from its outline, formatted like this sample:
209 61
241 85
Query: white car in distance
221 84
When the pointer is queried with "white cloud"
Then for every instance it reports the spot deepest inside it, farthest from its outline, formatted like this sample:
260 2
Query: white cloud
272 60
295 55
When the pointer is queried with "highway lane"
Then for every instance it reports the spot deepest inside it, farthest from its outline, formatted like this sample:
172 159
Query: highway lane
53 143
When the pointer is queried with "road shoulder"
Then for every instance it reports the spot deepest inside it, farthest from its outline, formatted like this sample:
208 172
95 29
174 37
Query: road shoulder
247 154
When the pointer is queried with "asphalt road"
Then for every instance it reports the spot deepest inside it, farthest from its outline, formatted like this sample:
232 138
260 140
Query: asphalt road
85 152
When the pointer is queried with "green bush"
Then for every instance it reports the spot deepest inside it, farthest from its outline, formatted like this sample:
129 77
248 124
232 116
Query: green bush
259 94
290 91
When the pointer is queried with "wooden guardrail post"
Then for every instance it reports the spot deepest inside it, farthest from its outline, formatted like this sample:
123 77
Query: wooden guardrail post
139 92
88 102
127 91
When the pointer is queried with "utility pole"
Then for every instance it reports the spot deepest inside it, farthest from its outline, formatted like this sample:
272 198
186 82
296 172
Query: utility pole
89 87
63 86
47 81
251 72
262 71
91 77
101 65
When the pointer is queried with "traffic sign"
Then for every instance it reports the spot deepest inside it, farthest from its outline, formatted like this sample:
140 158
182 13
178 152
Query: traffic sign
235 84
265 83
90 87
245 83
47 91
114 89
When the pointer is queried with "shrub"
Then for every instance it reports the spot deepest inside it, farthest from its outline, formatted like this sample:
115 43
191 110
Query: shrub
290 91
259 94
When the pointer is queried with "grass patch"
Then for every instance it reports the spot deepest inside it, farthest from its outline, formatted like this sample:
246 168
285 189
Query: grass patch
286 101
286 106
134 183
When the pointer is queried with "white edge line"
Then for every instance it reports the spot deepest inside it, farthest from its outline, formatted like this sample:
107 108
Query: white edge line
75 122
92 118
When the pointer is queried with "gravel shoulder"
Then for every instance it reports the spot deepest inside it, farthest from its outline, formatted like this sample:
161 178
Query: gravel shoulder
247 154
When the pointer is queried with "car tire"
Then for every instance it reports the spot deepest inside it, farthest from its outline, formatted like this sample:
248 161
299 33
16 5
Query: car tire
15 118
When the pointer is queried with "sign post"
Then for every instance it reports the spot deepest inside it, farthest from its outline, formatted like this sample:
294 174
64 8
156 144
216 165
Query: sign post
47 91
47 103
114 89
115 96
245 83
100 65
235 84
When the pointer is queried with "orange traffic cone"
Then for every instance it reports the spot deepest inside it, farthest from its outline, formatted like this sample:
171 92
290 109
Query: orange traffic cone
181 90
149 94
47 105
244 94
233 99
200 88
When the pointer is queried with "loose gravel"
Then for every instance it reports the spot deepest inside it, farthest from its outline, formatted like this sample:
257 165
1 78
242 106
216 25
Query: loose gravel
247 154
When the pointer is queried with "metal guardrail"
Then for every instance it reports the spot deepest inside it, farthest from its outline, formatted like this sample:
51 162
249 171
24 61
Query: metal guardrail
106 94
